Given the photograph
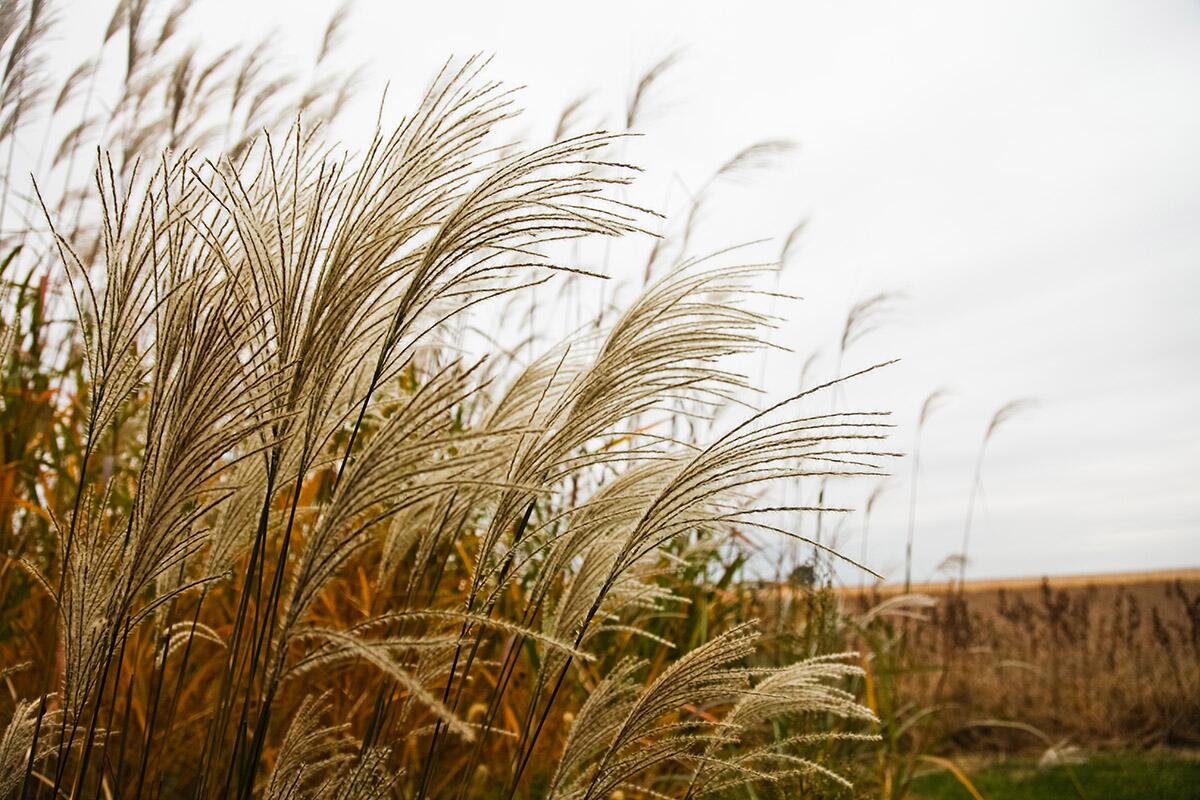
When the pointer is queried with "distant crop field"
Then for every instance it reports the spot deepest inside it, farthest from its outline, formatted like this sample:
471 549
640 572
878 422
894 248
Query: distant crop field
1133 580
1098 660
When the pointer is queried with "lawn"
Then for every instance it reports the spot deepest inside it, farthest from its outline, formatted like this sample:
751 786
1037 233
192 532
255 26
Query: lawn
1108 777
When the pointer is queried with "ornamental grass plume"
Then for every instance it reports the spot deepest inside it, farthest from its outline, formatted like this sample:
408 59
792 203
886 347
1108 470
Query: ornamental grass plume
311 545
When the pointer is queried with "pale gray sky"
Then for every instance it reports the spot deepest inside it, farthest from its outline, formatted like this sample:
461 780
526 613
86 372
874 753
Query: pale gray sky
1027 173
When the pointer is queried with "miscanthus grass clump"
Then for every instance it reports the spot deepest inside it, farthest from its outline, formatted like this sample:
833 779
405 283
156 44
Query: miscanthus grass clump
312 543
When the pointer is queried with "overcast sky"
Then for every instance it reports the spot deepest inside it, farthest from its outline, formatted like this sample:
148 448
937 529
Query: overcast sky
1026 173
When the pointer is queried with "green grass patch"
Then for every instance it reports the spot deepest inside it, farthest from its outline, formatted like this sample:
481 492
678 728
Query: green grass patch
1125 776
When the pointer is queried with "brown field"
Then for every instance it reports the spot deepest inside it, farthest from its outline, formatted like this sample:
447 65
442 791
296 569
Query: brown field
1188 575
1091 659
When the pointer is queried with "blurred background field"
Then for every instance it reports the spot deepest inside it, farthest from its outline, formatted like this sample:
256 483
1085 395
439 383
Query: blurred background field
1098 660
1082 686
